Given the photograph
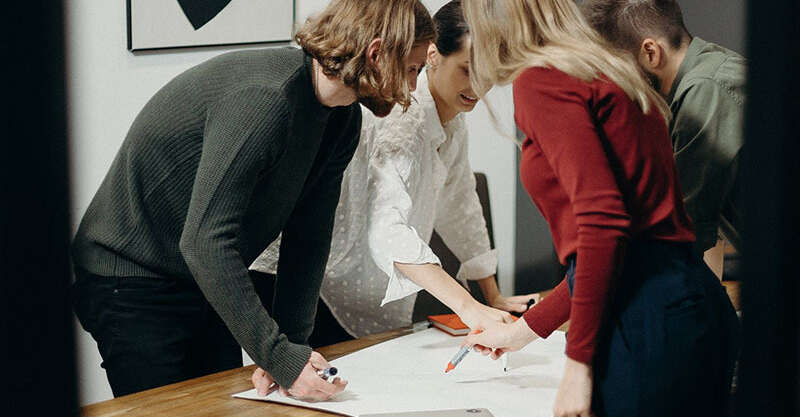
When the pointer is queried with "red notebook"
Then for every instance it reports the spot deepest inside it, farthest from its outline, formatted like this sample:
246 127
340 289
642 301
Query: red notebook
449 323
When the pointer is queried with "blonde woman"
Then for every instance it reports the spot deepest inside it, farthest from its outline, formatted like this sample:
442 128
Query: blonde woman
648 319
409 176
223 158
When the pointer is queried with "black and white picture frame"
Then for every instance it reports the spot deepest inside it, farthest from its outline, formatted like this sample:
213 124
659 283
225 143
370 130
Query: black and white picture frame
162 24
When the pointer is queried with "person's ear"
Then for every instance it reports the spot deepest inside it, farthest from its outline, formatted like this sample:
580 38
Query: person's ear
432 59
651 55
374 51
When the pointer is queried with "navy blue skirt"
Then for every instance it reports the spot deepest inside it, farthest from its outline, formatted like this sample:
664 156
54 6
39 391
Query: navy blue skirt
669 338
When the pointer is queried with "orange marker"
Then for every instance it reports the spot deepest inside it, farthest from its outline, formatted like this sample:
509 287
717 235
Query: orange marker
458 357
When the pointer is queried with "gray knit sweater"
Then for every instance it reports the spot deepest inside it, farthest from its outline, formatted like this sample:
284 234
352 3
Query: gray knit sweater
223 158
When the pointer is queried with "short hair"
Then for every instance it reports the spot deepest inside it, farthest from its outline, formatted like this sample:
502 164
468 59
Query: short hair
338 38
451 28
626 23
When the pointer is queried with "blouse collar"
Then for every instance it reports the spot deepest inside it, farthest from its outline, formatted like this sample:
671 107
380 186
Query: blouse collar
433 128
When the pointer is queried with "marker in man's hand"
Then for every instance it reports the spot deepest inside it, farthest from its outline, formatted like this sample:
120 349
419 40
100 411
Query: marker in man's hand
327 372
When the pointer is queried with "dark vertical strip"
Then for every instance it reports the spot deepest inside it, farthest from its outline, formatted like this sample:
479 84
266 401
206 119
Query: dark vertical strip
38 363
536 266
769 364
129 23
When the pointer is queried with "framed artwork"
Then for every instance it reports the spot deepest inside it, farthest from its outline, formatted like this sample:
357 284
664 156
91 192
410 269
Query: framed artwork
161 24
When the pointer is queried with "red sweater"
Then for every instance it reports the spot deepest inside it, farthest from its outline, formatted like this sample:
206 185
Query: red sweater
601 172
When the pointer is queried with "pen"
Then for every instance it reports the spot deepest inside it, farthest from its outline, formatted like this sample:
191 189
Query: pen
458 357
327 372
504 358
531 302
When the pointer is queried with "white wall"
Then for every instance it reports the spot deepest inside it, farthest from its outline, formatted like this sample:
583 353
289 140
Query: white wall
108 86
719 21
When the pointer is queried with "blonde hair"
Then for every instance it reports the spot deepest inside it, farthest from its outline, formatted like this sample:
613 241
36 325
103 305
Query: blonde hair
509 36
338 38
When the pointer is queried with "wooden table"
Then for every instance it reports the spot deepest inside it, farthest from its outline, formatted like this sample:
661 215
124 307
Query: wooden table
211 395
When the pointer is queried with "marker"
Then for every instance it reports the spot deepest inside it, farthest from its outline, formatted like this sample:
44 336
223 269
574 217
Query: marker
327 372
504 358
528 307
458 357
505 355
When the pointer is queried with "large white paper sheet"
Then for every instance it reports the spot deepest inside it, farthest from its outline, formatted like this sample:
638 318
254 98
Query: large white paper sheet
407 374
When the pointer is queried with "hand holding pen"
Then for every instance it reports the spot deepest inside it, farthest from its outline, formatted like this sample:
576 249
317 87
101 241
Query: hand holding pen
313 383
458 357
328 373
516 305
501 338
497 352
531 301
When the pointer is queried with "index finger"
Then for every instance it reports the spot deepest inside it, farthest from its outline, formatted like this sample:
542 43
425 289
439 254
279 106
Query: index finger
497 353
318 361
473 338
262 382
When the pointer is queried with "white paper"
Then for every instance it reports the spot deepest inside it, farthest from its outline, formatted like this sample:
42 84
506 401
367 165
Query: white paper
407 374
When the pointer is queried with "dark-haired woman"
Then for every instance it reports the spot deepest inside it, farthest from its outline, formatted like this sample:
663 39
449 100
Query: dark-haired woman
409 176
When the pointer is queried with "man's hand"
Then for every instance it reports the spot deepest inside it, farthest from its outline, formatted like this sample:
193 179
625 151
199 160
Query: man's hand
263 382
311 387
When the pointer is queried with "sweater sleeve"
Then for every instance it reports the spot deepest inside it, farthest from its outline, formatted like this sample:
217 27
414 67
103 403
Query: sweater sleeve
243 135
393 174
558 118
550 313
459 218
306 239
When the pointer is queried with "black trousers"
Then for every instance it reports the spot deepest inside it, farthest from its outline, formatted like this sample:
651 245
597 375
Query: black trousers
152 332
670 338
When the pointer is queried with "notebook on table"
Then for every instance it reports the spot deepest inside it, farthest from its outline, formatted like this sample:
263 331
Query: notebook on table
450 324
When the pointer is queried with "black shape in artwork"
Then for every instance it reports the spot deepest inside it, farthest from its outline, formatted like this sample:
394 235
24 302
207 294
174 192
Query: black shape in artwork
200 12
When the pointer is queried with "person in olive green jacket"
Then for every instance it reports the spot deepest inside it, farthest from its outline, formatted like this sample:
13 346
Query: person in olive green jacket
704 84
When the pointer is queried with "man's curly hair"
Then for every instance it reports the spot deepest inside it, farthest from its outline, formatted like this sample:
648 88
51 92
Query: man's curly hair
338 38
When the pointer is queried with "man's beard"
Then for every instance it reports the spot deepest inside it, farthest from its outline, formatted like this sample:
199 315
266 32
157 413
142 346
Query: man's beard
377 105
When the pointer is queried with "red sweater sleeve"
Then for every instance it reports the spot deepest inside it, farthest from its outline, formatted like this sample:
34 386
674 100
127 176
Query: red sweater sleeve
550 313
557 117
